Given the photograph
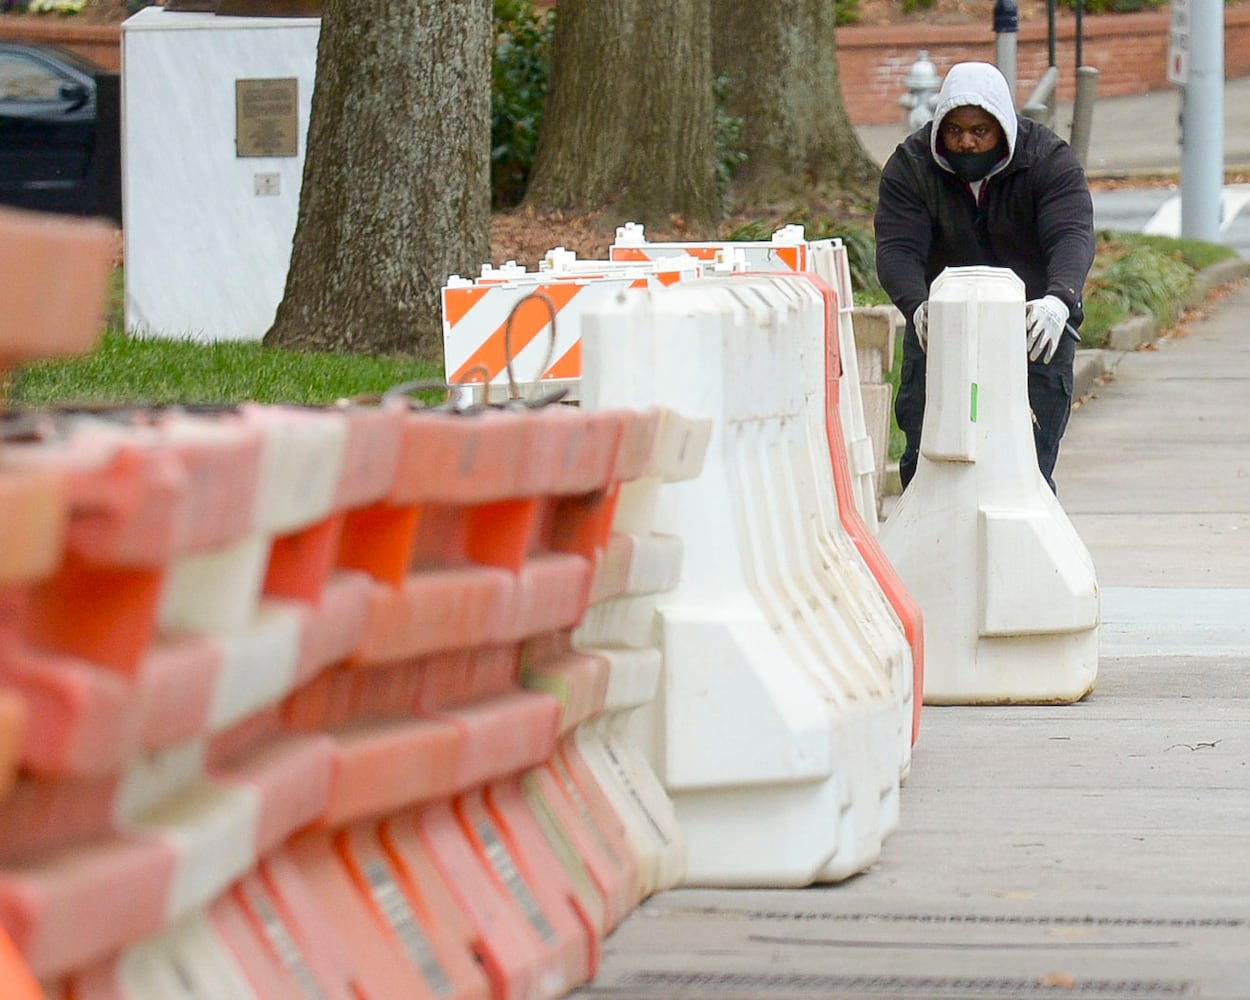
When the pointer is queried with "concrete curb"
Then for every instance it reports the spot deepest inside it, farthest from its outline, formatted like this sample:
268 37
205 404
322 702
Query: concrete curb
1094 363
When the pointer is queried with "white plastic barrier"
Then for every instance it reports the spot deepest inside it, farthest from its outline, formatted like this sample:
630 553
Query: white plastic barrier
783 716
829 260
978 537
618 745
789 249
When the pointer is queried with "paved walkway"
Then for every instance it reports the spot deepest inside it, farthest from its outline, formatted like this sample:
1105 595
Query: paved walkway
1100 849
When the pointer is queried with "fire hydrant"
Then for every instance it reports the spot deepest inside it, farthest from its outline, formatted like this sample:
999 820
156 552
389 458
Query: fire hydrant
922 83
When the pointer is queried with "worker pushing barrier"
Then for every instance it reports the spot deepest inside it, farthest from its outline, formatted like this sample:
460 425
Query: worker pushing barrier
978 537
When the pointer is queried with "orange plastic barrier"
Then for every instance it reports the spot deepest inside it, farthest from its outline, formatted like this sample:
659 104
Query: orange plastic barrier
518 948
550 592
582 846
465 459
418 908
381 768
383 968
292 775
503 735
12 728
71 908
266 953
334 629
104 615
221 462
33 521
300 562
41 816
16 980
436 610
505 837
175 689
287 908
582 788
342 697
80 719
371 455
577 680
56 272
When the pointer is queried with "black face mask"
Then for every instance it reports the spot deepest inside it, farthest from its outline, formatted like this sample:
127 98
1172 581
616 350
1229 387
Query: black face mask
971 167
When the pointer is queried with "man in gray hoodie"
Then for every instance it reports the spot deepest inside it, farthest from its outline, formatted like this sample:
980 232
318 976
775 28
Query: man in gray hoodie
979 186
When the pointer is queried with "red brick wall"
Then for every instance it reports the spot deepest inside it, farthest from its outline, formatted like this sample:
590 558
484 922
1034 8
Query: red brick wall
1129 51
99 42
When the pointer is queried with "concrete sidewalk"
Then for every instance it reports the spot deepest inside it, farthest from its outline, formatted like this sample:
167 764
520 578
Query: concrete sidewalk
1098 849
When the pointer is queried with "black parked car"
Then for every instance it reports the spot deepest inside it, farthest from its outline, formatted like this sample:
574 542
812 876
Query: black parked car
59 136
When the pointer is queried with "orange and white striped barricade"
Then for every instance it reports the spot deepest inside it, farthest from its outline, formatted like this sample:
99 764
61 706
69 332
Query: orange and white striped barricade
514 328
775 614
789 250
1003 578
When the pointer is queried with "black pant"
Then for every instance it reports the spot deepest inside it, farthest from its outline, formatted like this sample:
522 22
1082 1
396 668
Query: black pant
1050 397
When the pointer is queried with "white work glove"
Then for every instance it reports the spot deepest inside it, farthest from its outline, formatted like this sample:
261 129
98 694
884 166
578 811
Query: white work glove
920 320
1043 325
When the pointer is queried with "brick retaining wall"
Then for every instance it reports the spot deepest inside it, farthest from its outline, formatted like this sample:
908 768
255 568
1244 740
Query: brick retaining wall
1129 50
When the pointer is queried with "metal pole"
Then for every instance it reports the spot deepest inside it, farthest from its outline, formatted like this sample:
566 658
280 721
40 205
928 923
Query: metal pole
1202 125
1006 27
1083 111
1050 33
1080 33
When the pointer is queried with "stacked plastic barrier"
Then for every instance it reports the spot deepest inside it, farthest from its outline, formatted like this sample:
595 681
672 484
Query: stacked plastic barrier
51 305
777 627
304 703
855 474
639 567
789 250
980 538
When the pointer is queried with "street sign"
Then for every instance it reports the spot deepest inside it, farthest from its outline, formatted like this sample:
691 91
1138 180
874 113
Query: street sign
1178 44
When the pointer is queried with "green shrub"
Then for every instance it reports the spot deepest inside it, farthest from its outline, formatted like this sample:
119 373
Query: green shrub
1135 275
1115 6
519 71
846 11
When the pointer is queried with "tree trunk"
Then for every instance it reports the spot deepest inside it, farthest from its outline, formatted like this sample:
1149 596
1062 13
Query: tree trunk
781 61
627 126
396 189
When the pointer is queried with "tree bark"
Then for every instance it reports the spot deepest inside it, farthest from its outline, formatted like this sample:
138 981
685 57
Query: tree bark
627 126
781 61
396 187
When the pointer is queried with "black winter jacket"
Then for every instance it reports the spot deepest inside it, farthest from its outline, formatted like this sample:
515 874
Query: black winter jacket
1035 217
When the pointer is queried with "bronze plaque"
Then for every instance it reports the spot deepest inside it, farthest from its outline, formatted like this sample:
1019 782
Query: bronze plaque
266 117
